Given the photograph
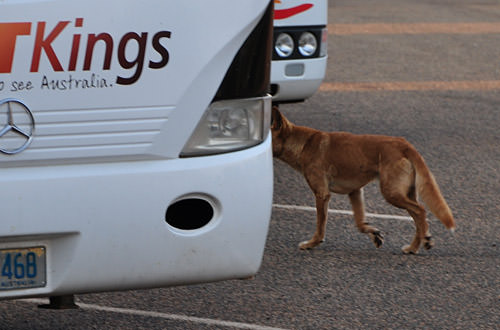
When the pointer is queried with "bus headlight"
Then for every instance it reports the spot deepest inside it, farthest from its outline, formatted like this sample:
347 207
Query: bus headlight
284 45
230 125
307 44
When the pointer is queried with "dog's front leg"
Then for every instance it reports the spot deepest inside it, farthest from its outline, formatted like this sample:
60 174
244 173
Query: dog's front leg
321 217
358 208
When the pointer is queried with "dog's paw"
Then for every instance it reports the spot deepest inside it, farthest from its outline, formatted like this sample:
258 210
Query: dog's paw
428 243
307 245
407 249
377 238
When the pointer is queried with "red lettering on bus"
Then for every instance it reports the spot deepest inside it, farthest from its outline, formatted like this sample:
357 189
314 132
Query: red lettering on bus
8 36
45 44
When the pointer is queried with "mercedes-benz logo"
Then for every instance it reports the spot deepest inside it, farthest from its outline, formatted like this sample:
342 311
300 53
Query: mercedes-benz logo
18 126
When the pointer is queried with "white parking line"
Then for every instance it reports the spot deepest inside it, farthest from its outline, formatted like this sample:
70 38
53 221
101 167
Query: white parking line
167 316
344 212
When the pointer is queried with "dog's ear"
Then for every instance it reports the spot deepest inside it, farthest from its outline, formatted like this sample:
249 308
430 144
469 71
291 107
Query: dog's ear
276 118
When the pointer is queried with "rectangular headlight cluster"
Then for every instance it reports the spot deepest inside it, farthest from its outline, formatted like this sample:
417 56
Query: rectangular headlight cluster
230 125
302 42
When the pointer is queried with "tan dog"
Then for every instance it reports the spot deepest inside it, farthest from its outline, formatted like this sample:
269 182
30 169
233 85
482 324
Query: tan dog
343 163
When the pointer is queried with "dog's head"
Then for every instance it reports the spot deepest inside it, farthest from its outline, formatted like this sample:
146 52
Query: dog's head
280 127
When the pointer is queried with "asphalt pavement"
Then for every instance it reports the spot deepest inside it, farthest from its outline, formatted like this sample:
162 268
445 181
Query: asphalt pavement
444 108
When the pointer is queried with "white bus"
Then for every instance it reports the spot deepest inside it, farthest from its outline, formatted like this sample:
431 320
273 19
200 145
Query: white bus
134 145
300 49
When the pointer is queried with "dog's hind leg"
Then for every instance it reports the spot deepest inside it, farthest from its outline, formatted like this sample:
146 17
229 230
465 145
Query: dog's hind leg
417 212
357 203
428 243
397 182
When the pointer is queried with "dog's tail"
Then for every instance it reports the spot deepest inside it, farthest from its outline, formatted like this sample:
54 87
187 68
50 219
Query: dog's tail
428 190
